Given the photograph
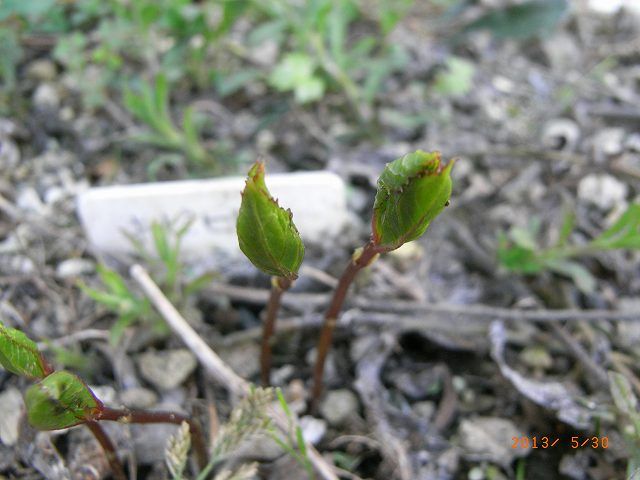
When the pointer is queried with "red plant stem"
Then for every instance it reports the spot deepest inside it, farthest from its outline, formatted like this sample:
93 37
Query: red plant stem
144 416
359 261
109 450
278 286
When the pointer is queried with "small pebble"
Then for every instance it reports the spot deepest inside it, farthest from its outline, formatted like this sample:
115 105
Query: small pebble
10 401
139 397
167 369
339 406
603 191
313 429
46 97
74 267
42 70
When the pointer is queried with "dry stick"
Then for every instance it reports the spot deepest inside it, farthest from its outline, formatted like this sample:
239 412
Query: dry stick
108 448
213 363
278 286
302 301
124 415
578 351
361 259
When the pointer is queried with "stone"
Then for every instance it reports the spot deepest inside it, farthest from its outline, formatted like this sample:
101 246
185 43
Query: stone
339 406
609 142
74 267
46 97
243 359
11 406
150 441
424 409
536 356
167 369
317 200
28 200
561 134
139 397
313 429
9 154
490 439
42 70
610 7
604 191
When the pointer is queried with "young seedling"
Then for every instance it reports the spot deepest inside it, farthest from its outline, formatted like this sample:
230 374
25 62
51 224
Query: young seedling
412 191
61 399
270 240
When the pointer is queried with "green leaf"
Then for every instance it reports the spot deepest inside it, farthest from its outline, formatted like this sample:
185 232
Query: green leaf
622 393
412 191
266 232
310 90
518 259
578 273
161 242
294 69
198 283
20 355
568 223
113 281
457 79
59 401
521 21
625 233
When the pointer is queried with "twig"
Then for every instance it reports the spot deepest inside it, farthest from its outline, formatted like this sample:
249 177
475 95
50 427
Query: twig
79 336
108 448
125 415
448 403
618 360
356 317
278 286
369 387
213 364
580 354
304 301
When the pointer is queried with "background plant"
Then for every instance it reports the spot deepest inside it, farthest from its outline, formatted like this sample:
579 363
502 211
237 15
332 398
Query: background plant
519 251
132 308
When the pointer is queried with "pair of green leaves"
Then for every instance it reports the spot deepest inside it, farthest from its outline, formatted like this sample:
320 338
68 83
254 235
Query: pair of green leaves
60 399
412 191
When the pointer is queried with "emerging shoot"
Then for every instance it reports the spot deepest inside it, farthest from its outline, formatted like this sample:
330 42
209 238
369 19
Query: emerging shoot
412 191
270 240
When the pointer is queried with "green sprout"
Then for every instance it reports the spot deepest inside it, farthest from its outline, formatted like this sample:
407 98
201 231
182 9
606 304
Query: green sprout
270 240
61 399
412 191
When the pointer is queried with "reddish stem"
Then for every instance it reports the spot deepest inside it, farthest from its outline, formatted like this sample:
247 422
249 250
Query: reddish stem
108 448
359 261
125 415
278 287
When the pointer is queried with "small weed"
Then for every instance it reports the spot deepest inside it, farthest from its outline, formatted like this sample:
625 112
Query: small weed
130 307
519 251
151 106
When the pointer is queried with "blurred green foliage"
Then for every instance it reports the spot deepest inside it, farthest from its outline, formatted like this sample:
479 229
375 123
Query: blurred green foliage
142 53
133 308
519 251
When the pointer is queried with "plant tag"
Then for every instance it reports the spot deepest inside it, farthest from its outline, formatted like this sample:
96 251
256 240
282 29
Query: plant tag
108 214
